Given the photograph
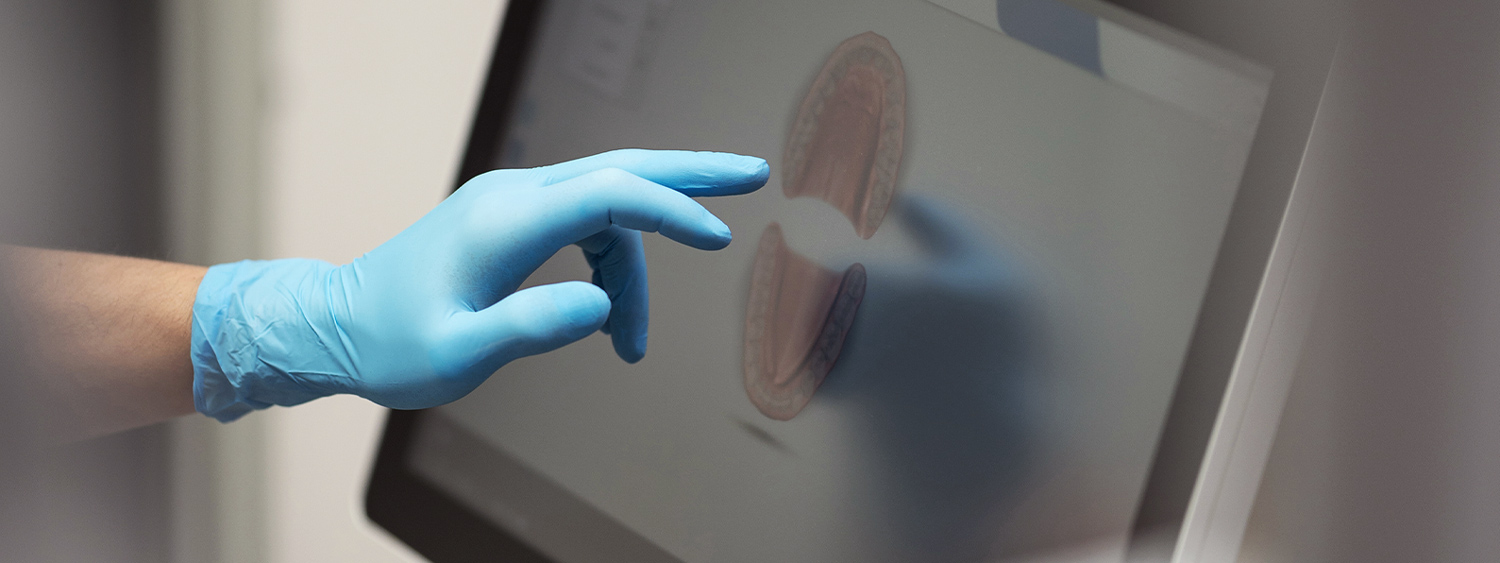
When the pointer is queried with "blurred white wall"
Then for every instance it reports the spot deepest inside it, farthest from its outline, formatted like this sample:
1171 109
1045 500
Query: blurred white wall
308 128
367 114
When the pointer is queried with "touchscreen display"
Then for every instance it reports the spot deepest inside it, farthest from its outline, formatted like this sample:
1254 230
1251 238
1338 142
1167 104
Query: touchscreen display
948 329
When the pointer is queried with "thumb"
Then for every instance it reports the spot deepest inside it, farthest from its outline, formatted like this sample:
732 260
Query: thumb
534 321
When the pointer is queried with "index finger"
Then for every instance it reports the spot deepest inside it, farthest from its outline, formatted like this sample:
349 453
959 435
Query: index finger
692 173
591 203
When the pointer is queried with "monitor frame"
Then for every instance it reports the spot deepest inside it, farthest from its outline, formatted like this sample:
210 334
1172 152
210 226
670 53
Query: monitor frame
1203 477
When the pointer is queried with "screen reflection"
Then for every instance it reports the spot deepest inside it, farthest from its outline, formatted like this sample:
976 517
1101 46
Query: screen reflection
937 365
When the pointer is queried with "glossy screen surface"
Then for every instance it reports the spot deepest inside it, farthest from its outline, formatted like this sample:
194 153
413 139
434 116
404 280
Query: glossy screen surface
962 338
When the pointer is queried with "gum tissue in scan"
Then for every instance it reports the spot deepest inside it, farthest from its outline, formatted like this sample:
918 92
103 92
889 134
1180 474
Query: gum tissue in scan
845 144
796 320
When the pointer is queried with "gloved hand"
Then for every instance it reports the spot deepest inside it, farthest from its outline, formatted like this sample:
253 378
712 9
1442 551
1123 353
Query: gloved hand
426 317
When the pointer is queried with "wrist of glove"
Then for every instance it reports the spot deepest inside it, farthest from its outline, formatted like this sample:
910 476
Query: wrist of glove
257 342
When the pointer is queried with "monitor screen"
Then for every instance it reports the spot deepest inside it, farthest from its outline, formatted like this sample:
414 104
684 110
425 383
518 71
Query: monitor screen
949 328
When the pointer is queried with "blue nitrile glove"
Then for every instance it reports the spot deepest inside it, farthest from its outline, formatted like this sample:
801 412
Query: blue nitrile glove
429 315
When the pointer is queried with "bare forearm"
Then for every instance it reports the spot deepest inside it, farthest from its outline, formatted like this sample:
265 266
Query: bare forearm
106 336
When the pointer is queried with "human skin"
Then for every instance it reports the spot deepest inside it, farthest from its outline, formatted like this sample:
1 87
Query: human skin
106 338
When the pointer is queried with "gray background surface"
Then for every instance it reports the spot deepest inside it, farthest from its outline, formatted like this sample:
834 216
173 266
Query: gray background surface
78 170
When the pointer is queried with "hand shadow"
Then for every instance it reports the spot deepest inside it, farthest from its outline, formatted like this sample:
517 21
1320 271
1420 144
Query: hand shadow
936 368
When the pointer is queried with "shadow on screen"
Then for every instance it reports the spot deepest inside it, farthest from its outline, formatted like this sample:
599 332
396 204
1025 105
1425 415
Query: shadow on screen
936 366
